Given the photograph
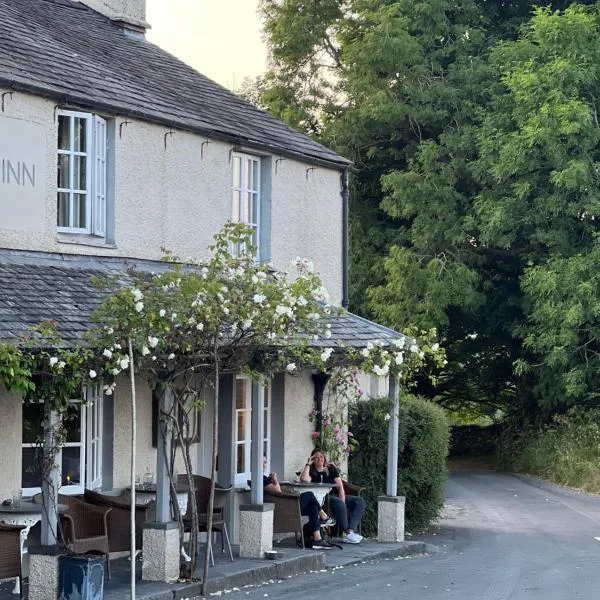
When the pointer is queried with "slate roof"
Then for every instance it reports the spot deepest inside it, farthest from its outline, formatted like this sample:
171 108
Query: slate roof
65 51
39 286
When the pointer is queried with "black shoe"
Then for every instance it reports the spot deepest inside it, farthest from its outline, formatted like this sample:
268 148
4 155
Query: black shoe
321 545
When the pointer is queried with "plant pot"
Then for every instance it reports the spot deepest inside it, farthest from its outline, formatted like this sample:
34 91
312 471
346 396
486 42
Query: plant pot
81 577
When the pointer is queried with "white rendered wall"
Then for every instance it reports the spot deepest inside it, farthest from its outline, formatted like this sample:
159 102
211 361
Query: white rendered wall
10 444
299 392
179 196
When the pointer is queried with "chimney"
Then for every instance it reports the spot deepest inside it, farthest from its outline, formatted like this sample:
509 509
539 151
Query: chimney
130 14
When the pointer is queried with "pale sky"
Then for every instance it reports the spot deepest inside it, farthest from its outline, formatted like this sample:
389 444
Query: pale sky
220 38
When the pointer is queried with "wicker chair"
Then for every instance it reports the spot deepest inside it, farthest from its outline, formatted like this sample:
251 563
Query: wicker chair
202 493
286 516
119 519
10 552
85 527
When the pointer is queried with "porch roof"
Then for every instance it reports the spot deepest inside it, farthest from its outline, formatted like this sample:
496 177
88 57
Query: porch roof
41 286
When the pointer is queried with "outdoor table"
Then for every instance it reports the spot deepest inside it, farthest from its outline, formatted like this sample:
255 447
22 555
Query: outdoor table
26 514
320 490
146 492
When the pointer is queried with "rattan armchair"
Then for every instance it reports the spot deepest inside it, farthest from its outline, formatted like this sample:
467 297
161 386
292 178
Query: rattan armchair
286 516
10 552
85 527
119 519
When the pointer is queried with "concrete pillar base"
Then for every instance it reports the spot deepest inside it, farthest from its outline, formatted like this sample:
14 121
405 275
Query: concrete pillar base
160 552
390 518
256 530
43 573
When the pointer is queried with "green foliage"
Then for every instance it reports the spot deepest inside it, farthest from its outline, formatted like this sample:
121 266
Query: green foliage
474 130
567 451
423 448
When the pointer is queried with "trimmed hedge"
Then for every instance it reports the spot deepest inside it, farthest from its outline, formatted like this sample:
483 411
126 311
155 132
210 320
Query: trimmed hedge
422 448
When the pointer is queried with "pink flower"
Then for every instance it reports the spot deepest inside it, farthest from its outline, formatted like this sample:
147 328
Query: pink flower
350 434
315 435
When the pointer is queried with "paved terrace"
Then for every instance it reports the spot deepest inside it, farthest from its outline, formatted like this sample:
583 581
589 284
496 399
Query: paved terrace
227 576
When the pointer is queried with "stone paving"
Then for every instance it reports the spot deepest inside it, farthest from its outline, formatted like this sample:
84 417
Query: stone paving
227 576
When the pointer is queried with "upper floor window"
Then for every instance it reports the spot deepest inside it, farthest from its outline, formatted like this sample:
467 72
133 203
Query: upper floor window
82 173
246 194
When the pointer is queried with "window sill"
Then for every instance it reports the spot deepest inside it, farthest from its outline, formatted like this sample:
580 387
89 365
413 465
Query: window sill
83 240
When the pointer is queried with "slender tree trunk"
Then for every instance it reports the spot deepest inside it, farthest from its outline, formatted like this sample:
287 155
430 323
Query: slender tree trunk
213 470
133 467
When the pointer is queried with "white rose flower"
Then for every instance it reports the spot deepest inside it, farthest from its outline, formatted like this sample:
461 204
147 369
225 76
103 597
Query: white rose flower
414 348
200 326
145 350
291 367
124 363
162 312
53 360
258 298
92 374
61 364
435 346
152 341
171 356
139 306
399 358
137 294
107 353
326 354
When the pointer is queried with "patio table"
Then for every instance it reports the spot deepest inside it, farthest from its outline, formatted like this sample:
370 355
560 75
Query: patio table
27 513
320 490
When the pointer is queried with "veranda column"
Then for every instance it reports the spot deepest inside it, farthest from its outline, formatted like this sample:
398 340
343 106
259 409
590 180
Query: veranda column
161 537
390 514
43 561
256 518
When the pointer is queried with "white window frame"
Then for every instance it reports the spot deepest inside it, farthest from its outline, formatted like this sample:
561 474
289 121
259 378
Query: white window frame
246 193
241 477
96 174
90 443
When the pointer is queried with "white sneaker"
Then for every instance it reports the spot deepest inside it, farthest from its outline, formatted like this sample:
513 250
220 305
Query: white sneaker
352 538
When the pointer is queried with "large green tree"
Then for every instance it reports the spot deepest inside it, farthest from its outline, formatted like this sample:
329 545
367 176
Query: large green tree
472 128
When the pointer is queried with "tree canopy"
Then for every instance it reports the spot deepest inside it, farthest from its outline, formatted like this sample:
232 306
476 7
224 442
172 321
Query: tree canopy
473 127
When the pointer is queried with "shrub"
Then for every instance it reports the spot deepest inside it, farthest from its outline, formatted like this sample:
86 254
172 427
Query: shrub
566 452
422 448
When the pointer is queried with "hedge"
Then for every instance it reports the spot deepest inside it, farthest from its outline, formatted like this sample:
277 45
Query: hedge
422 454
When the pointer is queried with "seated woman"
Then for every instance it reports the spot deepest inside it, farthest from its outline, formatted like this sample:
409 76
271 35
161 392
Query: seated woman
348 510
309 507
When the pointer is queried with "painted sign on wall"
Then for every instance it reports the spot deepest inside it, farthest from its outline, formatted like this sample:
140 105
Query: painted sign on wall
22 175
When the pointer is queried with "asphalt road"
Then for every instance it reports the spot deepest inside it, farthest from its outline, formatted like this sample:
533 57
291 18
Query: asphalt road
501 537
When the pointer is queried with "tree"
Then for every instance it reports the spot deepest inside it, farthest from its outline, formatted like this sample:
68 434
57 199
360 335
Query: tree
473 129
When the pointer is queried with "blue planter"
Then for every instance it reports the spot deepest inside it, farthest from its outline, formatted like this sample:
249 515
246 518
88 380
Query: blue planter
81 577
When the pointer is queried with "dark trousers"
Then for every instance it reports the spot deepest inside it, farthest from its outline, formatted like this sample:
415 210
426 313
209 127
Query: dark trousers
310 507
348 514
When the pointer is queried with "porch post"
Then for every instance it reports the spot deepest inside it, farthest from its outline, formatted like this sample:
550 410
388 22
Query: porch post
392 458
160 540
256 519
390 513
43 561
163 452
256 449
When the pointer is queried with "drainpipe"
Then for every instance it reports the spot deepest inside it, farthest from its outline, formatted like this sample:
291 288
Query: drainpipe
319 381
345 236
